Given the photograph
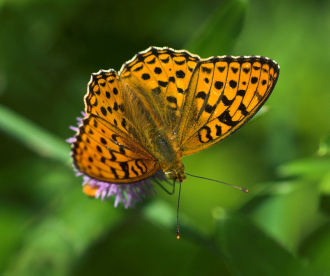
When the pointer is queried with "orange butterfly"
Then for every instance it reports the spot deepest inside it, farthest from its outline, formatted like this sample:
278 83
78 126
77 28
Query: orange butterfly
163 105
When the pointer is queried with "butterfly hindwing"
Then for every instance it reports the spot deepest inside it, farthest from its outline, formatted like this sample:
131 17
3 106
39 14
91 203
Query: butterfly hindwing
103 152
105 99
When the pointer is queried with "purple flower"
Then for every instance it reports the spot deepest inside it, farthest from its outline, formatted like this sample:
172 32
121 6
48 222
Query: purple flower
127 194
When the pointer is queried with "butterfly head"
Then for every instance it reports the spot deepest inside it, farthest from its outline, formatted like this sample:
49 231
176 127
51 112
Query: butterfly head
176 173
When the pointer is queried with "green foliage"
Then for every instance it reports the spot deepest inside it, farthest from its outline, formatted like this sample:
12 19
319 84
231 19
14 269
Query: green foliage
49 227
220 30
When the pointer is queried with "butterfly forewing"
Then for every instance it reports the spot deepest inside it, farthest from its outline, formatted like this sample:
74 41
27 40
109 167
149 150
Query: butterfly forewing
161 77
224 93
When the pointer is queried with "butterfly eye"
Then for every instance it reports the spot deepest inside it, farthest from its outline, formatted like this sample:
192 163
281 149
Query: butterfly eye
177 175
170 174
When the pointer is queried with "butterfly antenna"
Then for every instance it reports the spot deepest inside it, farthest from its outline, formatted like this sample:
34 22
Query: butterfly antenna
237 187
178 235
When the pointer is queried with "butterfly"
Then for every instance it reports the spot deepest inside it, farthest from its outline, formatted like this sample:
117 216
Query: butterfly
163 105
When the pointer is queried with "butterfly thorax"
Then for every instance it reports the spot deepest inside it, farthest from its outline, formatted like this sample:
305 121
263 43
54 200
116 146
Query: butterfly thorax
168 156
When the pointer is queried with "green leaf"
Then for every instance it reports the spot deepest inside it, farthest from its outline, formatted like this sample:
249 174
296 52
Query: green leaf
73 224
284 216
251 252
311 168
324 147
218 35
316 249
34 137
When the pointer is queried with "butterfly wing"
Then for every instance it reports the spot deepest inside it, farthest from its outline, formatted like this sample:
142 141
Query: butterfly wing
103 152
199 102
160 77
106 147
105 99
224 93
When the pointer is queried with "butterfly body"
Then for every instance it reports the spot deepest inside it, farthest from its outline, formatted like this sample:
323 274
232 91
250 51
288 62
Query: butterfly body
147 125
164 105
164 148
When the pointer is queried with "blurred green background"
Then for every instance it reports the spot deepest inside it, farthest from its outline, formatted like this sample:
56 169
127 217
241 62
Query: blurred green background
48 50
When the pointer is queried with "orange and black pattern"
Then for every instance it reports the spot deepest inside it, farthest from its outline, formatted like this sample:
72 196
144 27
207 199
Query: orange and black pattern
165 104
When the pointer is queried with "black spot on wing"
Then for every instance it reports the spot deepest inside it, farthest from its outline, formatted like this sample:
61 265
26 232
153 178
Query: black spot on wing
233 84
207 135
180 74
254 80
179 62
158 70
152 61
227 119
145 76
201 95
226 101
104 111
242 108
171 99
221 69
209 108
206 69
246 70
218 85
138 68
165 60
163 83
241 92
171 79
